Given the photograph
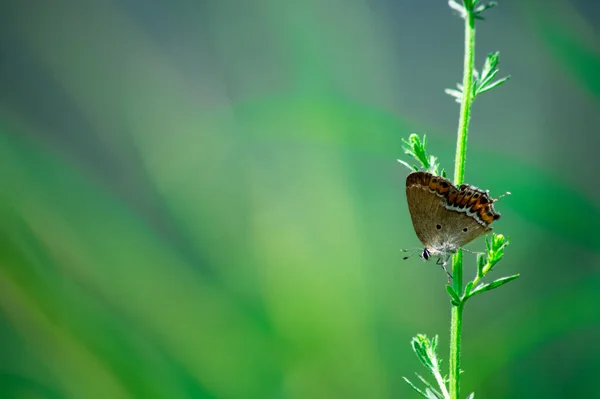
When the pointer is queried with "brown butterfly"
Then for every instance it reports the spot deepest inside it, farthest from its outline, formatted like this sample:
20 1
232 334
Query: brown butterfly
445 217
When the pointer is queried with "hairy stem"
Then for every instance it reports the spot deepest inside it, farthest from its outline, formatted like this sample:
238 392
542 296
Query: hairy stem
467 100
455 335
459 174
441 382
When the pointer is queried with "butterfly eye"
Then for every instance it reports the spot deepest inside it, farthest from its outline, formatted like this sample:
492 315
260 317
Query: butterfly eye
465 229
437 226
425 254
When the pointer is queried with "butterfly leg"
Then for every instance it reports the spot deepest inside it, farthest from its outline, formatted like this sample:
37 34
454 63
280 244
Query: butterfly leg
443 263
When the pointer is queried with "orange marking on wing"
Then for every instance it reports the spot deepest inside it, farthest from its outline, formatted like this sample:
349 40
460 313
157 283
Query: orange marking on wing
473 202
476 206
466 199
459 197
452 196
440 186
486 214
434 184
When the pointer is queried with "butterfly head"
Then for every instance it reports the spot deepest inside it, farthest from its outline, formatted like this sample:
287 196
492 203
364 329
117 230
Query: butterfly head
443 250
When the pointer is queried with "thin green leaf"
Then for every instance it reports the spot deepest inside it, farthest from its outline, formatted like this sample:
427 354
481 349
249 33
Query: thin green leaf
429 386
416 148
486 80
411 167
481 262
458 8
409 146
488 73
496 250
491 63
468 289
413 386
494 284
454 94
453 295
481 8
432 160
432 395
421 345
413 147
493 261
493 85
433 165
433 344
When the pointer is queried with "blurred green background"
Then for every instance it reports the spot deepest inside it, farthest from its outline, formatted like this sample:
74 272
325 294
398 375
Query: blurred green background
201 199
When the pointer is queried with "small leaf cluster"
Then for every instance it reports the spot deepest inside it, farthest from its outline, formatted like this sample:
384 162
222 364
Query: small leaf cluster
471 8
426 351
417 149
483 81
485 264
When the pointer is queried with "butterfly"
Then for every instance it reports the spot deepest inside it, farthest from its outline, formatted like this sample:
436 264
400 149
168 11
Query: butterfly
446 217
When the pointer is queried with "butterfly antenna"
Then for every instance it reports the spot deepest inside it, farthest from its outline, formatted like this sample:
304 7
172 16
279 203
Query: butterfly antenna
409 250
472 252
503 195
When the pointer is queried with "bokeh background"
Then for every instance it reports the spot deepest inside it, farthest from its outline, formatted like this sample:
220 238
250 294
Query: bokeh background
201 199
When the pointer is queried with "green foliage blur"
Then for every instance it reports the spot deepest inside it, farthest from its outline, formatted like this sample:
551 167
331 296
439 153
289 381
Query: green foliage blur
202 199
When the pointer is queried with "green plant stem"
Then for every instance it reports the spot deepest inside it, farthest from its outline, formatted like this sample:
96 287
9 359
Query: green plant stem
455 336
455 330
467 100
459 174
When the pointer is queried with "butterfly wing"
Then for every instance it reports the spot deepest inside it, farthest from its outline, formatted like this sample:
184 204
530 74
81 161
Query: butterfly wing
438 227
457 229
424 208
